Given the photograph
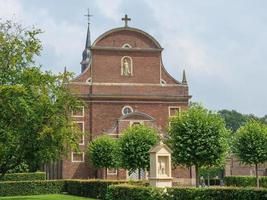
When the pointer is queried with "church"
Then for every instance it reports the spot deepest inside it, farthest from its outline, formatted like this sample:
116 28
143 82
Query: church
123 82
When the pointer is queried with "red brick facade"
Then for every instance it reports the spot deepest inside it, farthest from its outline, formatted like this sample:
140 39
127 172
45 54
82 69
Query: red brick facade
151 93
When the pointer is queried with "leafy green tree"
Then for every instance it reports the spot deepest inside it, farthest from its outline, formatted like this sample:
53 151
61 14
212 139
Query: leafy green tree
250 144
233 119
35 125
198 137
135 144
103 152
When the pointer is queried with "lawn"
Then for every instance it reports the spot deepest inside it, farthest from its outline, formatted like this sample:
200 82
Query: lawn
45 197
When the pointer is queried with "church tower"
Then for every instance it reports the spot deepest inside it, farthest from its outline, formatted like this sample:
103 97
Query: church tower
86 55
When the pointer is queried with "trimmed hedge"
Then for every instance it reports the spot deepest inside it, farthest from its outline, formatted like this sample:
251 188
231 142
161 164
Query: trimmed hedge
131 192
244 181
126 192
94 188
24 176
14 188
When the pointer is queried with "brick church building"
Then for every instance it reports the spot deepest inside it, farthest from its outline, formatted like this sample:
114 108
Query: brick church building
123 82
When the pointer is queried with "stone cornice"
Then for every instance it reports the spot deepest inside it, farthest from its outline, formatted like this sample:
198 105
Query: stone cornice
127 49
105 97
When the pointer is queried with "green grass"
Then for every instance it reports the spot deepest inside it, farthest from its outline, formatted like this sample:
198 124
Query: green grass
46 197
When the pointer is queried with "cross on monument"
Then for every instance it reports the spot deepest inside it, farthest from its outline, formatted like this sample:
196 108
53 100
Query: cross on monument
88 15
126 19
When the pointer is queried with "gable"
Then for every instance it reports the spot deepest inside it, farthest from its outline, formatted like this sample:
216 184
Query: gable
135 38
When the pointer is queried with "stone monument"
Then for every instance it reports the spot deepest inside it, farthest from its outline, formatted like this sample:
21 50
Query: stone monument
160 166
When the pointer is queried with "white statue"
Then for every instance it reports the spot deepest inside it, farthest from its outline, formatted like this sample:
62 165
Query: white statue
161 168
126 68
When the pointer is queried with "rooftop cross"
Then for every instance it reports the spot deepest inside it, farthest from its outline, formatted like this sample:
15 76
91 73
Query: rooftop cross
126 19
88 15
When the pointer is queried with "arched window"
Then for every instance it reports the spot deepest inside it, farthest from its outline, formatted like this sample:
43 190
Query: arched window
126 45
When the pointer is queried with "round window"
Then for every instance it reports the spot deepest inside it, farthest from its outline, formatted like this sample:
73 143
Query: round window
127 110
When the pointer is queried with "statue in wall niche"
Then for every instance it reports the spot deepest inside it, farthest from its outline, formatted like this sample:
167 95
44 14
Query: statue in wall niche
161 168
126 67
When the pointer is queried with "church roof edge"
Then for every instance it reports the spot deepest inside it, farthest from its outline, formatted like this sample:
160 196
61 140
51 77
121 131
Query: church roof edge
129 29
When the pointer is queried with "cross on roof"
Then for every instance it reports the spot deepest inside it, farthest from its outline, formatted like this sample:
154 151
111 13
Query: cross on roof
126 19
88 15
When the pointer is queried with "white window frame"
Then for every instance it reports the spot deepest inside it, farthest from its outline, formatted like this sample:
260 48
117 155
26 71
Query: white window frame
163 82
78 115
89 80
108 173
81 122
170 107
76 161
126 45
125 108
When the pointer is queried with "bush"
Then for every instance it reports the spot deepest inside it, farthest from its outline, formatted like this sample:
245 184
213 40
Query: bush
24 176
89 188
126 192
131 192
14 188
244 181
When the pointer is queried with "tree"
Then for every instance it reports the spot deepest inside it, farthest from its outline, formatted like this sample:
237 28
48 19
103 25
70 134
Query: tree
35 125
233 119
103 152
198 137
135 143
250 144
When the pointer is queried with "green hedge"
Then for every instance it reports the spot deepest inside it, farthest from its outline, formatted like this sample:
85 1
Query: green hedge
14 188
126 192
93 188
24 176
244 181
131 192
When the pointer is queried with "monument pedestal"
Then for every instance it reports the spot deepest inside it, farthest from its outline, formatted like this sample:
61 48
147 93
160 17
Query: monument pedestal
160 166
160 182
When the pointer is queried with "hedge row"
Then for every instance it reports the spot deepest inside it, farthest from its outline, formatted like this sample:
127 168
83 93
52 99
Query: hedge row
94 188
126 192
87 188
14 188
24 176
244 181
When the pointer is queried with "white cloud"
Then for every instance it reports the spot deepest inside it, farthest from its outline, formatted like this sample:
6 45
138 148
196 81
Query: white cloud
110 8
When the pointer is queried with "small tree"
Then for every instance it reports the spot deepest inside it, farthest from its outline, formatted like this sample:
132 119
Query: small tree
250 144
135 144
103 152
198 138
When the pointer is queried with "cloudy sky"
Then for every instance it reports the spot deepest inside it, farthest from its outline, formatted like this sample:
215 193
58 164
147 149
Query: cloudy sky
222 44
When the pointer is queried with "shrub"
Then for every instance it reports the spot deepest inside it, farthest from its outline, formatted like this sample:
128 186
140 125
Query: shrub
14 188
131 192
126 192
24 176
89 188
244 181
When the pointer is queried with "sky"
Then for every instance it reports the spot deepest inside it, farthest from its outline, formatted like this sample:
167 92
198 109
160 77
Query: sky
222 44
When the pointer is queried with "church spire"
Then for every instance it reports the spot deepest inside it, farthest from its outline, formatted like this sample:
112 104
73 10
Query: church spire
87 50
184 81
